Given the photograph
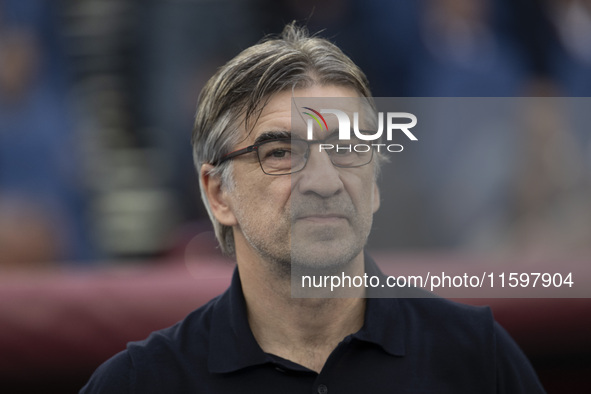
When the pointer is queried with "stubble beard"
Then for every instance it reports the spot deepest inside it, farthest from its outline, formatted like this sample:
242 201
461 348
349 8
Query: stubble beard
272 244
287 251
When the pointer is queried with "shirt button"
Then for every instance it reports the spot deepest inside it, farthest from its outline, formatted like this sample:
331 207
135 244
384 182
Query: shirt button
322 389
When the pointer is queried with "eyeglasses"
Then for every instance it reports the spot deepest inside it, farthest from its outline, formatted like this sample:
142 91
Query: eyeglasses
283 156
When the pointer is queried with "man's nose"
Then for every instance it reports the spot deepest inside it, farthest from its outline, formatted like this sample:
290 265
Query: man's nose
319 176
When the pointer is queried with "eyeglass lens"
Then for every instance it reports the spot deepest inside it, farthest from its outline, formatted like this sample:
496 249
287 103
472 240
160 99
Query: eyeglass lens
287 156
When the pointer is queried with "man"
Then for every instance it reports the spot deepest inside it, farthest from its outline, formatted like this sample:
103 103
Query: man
279 204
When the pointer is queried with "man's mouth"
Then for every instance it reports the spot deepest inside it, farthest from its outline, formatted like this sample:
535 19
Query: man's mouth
321 217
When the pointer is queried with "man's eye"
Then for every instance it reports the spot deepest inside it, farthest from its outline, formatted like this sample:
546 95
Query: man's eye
278 153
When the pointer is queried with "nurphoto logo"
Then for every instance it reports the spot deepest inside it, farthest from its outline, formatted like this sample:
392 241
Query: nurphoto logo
355 142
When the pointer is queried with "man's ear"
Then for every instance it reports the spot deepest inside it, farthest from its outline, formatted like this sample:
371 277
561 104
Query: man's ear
216 195
376 197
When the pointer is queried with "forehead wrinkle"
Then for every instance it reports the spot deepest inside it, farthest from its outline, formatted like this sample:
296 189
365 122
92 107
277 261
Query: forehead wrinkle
270 129
276 129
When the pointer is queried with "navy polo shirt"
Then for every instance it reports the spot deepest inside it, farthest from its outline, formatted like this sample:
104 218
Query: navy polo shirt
406 345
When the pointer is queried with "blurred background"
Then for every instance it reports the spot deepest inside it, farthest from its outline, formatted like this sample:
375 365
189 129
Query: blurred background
97 99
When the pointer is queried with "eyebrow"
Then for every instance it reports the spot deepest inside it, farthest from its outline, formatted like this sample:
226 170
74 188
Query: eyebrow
272 135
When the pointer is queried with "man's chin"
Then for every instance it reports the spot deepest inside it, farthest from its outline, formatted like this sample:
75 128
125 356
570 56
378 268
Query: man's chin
312 231
315 260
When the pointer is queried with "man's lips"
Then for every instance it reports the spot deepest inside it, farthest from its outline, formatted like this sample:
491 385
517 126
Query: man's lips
322 217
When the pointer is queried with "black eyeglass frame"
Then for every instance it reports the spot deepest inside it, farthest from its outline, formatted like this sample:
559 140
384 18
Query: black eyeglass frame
255 147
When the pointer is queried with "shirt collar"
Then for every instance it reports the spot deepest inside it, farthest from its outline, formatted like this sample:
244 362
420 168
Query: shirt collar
384 322
232 345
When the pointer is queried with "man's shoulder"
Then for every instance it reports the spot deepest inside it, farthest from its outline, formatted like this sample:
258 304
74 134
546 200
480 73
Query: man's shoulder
450 327
113 376
162 355
194 327
445 315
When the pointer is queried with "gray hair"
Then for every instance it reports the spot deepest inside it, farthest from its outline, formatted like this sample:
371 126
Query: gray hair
242 87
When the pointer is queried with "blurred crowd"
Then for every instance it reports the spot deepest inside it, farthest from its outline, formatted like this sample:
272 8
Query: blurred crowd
97 99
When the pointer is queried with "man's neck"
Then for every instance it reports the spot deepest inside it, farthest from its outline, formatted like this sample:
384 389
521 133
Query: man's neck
302 330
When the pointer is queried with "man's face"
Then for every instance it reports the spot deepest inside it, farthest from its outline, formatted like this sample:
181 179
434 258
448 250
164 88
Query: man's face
319 217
